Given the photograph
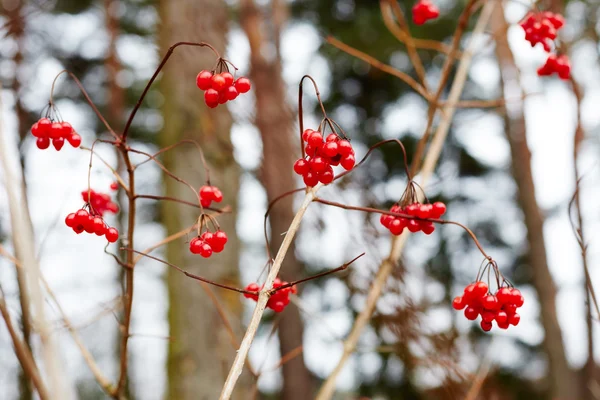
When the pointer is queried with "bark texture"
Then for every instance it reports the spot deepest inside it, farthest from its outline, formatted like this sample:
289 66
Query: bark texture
561 379
200 350
275 120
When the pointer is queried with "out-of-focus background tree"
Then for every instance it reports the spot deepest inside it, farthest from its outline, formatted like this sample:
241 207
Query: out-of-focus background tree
506 172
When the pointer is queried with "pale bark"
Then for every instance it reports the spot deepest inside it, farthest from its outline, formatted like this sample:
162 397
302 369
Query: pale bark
200 350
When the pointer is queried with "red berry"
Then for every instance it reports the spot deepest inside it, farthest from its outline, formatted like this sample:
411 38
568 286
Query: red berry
205 250
348 162
490 303
220 238
315 139
36 130
99 226
74 139
469 292
55 130
397 226
458 303
385 220
58 143
207 237
486 326
427 227
78 229
112 235
218 82
252 287
503 295
330 149
114 186
503 325
231 93
413 226
344 148
326 176
480 289
501 317
311 179
242 85
203 80
318 164
487 316
301 166
509 308
306 134
65 129
438 209
471 313
71 220
217 195
228 79
514 319
42 143
211 96
44 125
206 192
81 217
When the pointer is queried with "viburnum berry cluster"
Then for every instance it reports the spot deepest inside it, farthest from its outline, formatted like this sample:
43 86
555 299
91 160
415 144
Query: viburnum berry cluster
423 11
82 220
208 243
396 225
322 156
100 202
278 300
208 194
46 130
219 88
542 27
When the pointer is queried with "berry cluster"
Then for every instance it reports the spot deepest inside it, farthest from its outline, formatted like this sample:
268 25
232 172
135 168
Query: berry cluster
322 155
220 88
501 307
208 194
278 300
83 221
423 11
556 64
208 242
396 225
100 202
45 130
542 27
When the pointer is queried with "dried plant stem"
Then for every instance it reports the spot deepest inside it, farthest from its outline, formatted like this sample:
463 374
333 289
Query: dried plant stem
431 158
242 353
59 387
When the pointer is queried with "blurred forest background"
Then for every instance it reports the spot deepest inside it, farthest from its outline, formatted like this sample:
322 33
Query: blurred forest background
507 172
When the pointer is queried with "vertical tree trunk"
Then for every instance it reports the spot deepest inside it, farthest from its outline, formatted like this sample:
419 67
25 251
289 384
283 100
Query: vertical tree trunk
560 377
200 350
17 31
276 122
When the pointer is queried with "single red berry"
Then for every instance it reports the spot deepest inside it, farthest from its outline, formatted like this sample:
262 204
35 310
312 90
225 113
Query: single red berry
112 235
74 139
242 85
330 149
205 250
114 186
486 326
228 78
344 148
326 177
348 162
469 292
515 295
438 209
55 130
42 143
458 303
413 226
71 220
318 164
490 302
78 229
514 319
306 134
99 226
211 96
203 80
252 287
220 238
315 139
501 317
65 129
427 227
58 143
207 237
36 130
397 226
81 217
385 220
471 313
504 295
218 82
44 125
509 308
311 179
503 325
279 306
217 195
231 93
480 289
487 316
301 166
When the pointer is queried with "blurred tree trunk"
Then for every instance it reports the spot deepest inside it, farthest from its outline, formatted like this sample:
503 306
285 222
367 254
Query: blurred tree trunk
276 122
560 377
16 29
200 351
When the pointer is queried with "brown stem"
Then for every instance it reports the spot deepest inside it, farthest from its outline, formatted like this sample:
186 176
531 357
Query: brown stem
155 75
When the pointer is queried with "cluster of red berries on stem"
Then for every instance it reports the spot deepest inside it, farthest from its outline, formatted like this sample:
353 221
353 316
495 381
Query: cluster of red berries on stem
82 220
423 11
208 194
221 88
208 243
396 225
542 27
500 307
278 300
100 202
46 131
322 156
